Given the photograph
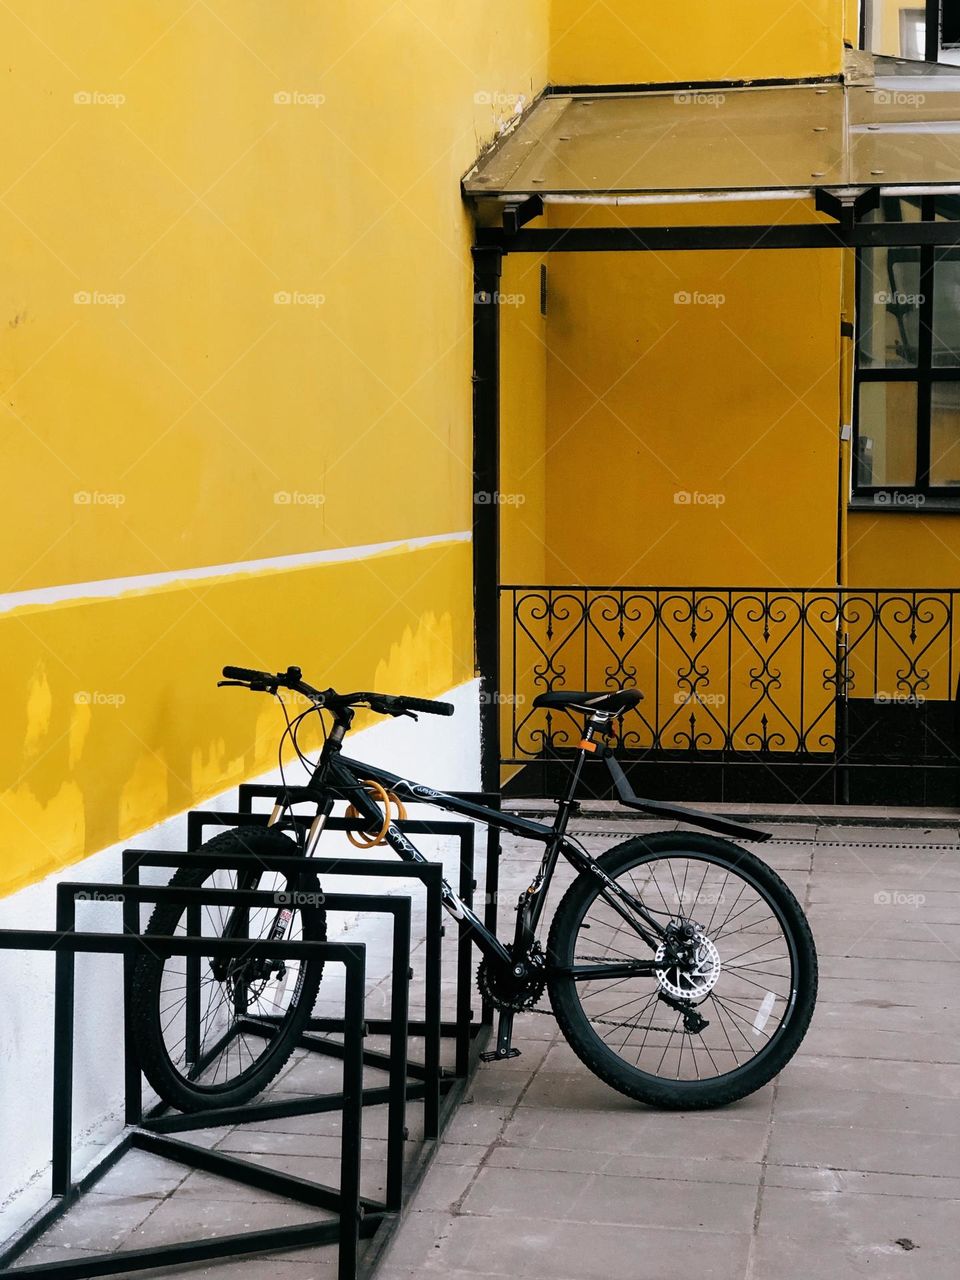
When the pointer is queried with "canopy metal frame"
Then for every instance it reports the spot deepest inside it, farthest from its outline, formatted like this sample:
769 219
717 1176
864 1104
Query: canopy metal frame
848 207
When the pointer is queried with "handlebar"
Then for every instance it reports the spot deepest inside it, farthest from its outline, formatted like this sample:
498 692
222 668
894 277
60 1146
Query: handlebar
386 704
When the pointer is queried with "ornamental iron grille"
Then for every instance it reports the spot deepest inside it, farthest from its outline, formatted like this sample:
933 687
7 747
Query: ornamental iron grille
838 678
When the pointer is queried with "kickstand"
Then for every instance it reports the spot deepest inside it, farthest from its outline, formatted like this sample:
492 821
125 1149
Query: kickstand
504 1033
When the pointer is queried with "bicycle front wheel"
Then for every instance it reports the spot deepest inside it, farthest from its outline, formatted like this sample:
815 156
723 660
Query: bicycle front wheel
215 1032
698 1034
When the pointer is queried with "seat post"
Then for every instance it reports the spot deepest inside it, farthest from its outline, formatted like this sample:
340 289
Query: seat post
587 746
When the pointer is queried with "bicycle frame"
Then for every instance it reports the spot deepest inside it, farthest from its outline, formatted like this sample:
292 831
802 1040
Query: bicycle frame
339 778
345 777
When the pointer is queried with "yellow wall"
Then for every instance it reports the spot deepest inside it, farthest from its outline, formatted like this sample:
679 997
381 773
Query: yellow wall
523 412
693 409
903 549
147 155
523 455
620 41
113 718
709 428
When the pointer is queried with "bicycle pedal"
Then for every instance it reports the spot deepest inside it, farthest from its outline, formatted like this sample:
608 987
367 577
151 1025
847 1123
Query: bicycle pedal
494 1055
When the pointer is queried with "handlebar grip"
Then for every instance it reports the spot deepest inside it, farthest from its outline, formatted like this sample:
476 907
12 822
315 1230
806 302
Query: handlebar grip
245 673
428 706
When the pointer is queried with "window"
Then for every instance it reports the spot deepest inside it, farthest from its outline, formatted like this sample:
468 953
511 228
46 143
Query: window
900 29
913 30
907 386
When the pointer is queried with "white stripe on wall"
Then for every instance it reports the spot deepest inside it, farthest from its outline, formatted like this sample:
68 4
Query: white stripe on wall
108 587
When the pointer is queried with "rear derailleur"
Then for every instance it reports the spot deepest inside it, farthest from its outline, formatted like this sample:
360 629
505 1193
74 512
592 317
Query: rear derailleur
693 1021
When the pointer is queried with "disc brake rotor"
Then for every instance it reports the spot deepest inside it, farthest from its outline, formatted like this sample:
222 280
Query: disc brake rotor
694 981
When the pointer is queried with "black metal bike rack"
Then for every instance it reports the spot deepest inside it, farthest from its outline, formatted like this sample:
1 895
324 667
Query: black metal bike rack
439 1088
355 1217
248 792
431 1081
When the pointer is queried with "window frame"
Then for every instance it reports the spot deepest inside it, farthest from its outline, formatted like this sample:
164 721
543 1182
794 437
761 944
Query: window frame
932 25
924 374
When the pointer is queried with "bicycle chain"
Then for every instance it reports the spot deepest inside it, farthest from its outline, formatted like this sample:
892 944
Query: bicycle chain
606 1022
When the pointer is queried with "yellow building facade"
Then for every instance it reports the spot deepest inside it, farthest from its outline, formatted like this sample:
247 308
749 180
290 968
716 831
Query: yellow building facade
236 368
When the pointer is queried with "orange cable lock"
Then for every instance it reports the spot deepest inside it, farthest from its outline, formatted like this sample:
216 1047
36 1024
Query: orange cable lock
361 839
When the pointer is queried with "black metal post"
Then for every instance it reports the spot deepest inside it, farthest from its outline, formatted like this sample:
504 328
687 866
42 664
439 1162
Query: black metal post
399 1014
63 1015
432 1009
487 267
192 1010
931 36
132 1080
465 960
355 961
807 235
491 885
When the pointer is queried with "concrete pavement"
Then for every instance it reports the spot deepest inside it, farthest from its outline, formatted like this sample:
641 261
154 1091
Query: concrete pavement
847 1166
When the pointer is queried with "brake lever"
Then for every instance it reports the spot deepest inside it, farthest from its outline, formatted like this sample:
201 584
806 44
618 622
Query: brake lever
242 684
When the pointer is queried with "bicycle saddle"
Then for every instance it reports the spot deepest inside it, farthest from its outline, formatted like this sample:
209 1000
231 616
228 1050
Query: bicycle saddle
614 701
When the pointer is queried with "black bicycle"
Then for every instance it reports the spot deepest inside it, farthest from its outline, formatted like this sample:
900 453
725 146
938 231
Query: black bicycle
679 966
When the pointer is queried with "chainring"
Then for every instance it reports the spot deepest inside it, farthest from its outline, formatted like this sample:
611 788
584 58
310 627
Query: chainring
505 991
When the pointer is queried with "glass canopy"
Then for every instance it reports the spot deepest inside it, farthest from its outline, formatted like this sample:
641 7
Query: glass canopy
887 123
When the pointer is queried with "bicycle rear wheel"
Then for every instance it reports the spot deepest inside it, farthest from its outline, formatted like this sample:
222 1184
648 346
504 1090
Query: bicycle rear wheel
712 1029
213 1033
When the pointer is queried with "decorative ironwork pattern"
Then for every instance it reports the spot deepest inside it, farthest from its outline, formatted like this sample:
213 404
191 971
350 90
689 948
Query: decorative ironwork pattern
722 669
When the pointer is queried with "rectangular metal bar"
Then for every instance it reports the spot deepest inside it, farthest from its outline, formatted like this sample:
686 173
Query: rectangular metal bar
432 1010
814 235
396 1094
63 1026
162 944
487 269
192 1009
318 1104
352 1125
191 1251
399 1015
260 1176
132 1078
390 868
467 804
491 880
464 960
371 1057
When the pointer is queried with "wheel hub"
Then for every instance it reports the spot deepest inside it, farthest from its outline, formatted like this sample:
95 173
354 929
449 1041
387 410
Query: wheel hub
690 979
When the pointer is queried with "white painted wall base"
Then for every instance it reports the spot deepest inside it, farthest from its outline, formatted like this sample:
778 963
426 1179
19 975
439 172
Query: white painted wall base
442 752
